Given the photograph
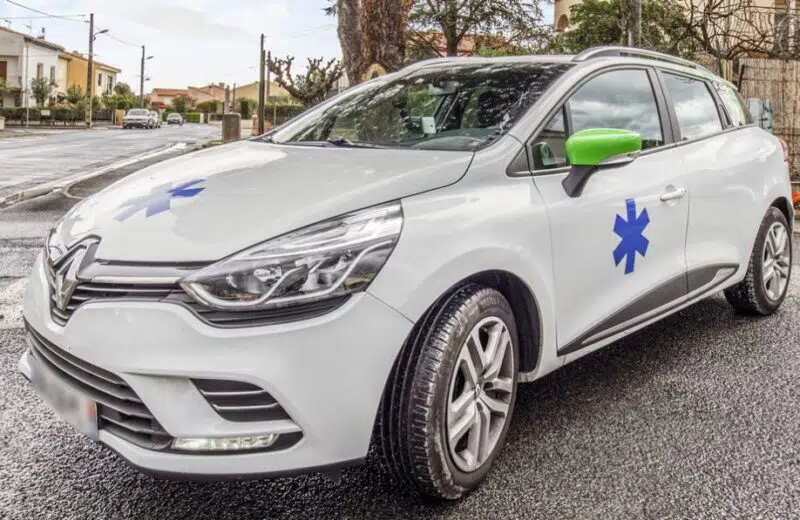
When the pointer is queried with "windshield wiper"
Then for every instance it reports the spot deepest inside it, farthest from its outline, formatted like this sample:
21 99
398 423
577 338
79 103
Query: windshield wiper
347 143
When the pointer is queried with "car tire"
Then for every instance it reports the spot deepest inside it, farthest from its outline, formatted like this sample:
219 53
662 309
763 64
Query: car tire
764 287
428 382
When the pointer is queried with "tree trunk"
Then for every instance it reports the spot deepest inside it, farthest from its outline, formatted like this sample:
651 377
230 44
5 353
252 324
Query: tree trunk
384 25
372 32
350 39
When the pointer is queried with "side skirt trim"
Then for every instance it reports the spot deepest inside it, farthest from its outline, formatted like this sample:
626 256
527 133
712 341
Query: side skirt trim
656 303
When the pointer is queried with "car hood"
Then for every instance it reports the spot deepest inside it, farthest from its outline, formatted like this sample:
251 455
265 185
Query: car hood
206 205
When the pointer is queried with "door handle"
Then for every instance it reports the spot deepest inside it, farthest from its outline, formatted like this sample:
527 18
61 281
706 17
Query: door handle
673 194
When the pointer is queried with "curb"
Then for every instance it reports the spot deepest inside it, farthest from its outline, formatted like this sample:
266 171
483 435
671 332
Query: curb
65 183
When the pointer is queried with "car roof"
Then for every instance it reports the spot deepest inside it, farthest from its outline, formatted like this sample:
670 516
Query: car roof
592 56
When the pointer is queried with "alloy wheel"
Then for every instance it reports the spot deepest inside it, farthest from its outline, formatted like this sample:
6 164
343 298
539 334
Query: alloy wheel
480 394
776 263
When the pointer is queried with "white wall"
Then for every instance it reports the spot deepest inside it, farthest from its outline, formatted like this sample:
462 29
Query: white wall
32 56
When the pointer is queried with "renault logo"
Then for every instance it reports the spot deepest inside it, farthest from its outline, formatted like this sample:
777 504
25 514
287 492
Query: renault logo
67 279
66 267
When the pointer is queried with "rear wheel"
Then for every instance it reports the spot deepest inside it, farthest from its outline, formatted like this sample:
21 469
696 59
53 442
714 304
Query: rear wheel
764 287
449 401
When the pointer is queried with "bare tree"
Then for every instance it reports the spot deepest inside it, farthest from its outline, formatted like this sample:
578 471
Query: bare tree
313 86
733 28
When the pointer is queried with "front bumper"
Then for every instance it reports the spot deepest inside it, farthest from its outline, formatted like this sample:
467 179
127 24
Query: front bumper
328 373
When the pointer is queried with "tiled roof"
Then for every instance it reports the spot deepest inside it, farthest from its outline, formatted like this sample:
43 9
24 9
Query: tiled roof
34 40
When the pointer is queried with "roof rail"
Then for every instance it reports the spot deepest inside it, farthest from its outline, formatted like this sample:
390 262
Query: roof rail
599 52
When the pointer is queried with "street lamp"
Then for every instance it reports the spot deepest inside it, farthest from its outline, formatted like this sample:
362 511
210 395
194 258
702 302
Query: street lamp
142 78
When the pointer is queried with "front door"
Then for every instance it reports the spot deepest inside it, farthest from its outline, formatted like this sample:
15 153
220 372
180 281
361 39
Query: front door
619 248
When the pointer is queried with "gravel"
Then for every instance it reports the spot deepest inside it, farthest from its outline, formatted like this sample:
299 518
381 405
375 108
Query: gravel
694 417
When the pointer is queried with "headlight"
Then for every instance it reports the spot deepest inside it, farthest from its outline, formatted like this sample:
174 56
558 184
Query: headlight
332 258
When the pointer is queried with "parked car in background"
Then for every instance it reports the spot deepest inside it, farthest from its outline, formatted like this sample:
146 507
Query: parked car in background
175 119
137 118
155 119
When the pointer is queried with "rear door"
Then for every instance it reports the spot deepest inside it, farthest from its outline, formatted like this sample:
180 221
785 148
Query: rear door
618 248
725 162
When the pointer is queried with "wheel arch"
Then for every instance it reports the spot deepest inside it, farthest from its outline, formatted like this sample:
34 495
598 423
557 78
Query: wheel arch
785 207
524 304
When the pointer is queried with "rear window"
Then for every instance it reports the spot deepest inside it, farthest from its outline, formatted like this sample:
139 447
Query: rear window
734 105
694 106
137 112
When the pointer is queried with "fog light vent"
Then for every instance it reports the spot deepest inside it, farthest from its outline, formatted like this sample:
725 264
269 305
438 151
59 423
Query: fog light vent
240 402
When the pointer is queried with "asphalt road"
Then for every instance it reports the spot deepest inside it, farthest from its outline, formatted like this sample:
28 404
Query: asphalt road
695 417
49 155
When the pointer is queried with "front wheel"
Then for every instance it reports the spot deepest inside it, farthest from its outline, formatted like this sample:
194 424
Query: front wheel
448 404
764 287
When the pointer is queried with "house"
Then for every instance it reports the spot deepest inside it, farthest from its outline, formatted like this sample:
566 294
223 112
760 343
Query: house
208 93
250 91
104 76
22 58
166 95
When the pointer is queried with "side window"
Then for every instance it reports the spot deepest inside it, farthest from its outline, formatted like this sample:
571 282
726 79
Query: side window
694 106
740 116
547 149
621 99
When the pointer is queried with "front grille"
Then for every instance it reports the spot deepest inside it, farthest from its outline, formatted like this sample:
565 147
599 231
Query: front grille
88 291
239 401
120 411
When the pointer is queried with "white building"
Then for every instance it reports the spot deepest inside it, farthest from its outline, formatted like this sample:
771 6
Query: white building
22 58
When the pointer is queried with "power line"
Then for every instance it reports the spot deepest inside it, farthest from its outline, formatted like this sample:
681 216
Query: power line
120 40
48 15
45 16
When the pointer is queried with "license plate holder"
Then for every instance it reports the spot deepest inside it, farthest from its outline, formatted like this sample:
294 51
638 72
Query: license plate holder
69 403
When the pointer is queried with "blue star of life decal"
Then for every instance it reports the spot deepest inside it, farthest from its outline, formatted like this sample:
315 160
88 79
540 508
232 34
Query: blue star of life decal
630 232
159 199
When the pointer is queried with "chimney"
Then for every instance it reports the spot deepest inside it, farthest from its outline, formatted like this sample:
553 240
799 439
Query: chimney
42 36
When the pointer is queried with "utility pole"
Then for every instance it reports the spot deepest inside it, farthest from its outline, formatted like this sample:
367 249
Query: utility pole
89 75
269 61
141 81
262 65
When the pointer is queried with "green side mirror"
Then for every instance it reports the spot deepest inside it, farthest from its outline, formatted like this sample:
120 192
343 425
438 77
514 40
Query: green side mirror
592 146
588 150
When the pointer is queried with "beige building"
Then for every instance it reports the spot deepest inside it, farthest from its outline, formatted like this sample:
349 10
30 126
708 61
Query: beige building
250 91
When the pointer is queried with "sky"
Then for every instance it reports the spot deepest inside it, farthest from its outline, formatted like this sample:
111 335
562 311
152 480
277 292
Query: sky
193 42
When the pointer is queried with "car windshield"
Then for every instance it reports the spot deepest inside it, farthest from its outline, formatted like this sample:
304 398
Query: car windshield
453 107
137 112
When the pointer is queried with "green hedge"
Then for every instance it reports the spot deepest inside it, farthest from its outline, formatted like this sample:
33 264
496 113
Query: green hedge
193 117
281 112
58 114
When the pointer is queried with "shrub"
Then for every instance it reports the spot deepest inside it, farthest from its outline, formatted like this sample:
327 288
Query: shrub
193 117
282 112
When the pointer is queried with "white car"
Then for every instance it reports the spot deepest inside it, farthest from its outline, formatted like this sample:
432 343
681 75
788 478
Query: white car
175 119
137 118
388 266
155 119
